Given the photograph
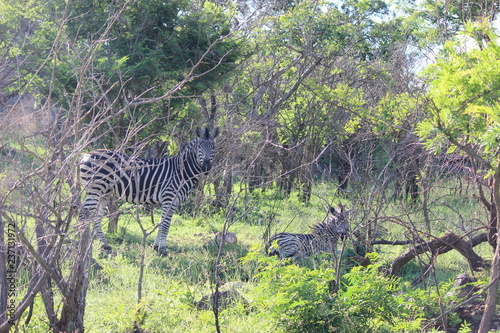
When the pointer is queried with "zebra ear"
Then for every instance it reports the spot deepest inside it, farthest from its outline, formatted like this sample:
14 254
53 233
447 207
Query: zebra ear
339 210
215 133
198 132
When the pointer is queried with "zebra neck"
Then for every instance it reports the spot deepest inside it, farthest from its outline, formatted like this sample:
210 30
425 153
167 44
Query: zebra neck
189 165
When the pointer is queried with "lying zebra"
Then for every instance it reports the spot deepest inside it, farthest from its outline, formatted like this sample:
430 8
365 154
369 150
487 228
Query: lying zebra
323 238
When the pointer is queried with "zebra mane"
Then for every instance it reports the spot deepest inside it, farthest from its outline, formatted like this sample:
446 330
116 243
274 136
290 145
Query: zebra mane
320 227
187 156
201 134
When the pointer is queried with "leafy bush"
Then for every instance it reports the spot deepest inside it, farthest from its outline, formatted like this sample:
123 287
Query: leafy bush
372 301
301 299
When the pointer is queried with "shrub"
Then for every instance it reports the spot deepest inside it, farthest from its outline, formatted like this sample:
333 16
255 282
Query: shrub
372 301
300 299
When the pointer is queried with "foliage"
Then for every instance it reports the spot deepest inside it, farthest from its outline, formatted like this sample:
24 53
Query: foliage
172 283
464 115
159 40
464 93
119 51
434 22
301 299
298 298
27 36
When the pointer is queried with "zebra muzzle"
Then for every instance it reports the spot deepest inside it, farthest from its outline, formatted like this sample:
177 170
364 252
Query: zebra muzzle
206 166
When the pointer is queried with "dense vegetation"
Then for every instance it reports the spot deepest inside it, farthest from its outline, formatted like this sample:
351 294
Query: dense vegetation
389 108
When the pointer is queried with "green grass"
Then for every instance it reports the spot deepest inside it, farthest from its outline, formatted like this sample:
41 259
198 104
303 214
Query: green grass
172 283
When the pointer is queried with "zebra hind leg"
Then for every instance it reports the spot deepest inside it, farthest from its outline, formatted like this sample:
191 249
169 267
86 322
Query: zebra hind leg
95 213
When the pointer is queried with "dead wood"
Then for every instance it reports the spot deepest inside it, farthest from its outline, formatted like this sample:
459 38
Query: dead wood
440 246
388 242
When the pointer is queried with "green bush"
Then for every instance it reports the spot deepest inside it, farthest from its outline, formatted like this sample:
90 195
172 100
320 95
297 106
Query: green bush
372 301
300 299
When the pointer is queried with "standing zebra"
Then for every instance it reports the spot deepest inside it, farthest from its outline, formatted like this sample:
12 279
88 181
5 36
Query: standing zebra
323 238
145 181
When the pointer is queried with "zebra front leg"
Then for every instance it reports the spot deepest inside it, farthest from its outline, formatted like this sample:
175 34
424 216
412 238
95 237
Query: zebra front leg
160 244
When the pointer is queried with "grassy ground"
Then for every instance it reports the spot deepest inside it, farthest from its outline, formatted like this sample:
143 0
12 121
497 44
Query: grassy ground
173 283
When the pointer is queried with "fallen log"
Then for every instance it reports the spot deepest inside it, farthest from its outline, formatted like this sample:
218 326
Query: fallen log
442 245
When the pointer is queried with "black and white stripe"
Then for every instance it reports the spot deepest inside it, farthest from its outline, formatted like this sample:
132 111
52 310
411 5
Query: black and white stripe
167 182
323 238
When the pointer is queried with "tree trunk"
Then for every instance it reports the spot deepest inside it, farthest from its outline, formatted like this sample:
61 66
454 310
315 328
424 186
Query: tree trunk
492 226
228 184
343 172
491 299
75 297
114 214
223 189
44 249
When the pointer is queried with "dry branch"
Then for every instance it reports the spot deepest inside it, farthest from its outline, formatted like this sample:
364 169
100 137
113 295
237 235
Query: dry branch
388 242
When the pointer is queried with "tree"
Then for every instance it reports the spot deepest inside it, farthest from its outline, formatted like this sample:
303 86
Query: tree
433 22
464 115
154 46
312 68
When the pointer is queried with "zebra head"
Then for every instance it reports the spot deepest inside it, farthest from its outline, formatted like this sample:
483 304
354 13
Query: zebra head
337 222
206 147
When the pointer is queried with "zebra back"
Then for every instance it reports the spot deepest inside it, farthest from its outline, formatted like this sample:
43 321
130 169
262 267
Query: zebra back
288 245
